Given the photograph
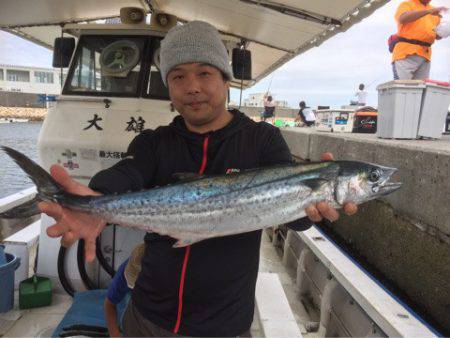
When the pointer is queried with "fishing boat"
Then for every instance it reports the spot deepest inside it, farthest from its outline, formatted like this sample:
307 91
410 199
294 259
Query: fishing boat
307 285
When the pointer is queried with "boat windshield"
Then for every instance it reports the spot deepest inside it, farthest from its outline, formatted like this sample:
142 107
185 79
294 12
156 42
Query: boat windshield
115 66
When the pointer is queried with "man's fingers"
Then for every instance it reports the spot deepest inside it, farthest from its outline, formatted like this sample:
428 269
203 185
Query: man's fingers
328 212
68 239
326 157
89 249
62 177
313 214
57 230
350 209
51 209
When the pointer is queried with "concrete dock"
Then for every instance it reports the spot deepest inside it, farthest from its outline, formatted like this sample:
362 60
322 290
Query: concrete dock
405 236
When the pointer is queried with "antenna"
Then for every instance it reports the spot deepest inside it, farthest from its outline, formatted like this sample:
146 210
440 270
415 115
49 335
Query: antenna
270 83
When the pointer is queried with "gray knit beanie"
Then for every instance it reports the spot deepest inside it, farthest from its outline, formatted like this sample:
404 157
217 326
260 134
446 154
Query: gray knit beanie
196 41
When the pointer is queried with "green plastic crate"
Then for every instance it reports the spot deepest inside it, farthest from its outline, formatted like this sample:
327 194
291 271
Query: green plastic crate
35 292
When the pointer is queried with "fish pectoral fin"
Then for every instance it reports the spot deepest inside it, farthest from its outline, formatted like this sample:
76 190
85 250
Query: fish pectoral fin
314 183
182 242
331 172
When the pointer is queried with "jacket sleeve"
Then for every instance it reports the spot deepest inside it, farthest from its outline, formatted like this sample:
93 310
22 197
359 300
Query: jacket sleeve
133 173
276 152
402 8
274 149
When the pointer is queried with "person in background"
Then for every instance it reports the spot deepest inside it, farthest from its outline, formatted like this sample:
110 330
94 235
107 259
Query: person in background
361 94
411 56
306 115
122 283
269 109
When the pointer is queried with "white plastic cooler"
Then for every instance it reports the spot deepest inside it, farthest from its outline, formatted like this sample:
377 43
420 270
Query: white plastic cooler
399 104
410 109
435 102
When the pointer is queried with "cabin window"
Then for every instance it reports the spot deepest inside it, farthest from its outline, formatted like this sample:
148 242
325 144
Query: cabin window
107 65
155 88
43 77
17 75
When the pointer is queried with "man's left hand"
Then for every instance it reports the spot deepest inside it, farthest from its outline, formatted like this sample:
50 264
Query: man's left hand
322 210
438 10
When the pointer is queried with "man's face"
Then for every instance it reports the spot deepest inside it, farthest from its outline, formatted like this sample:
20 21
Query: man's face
198 92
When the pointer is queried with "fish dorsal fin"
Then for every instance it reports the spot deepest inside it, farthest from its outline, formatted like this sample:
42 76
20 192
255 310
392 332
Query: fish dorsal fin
186 177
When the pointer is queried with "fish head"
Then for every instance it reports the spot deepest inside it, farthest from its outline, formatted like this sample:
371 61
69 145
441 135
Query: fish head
359 182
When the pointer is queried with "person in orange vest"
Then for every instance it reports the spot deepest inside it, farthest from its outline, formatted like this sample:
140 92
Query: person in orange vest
417 20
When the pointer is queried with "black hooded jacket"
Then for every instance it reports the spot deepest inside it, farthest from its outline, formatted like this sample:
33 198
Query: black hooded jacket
208 288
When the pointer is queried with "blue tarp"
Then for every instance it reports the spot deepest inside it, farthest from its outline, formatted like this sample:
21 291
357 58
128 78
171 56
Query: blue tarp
87 309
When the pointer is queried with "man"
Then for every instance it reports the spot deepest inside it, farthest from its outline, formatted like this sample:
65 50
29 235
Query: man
207 289
306 115
361 94
411 56
269 109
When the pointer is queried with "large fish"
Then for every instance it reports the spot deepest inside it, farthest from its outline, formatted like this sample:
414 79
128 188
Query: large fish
203 207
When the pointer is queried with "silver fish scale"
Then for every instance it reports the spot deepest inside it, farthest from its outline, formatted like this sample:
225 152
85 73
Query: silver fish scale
222 205
197 191
233 212
209 186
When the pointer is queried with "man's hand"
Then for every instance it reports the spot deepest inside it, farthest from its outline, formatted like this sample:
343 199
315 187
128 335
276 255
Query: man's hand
412 16
72 225
323 210
437 11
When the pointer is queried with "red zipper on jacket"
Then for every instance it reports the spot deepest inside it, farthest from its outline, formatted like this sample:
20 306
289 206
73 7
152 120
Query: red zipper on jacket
188 248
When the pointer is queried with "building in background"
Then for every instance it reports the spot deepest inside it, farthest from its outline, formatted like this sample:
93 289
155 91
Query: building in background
30 80
22 86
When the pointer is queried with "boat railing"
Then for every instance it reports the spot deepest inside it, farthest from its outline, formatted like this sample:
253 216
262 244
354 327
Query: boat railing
10 226
350 301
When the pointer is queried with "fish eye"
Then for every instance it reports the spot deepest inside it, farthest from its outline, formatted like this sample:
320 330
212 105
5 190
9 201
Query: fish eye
374 175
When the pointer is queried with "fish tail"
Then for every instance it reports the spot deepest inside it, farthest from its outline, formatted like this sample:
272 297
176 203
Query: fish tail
48 189
24 210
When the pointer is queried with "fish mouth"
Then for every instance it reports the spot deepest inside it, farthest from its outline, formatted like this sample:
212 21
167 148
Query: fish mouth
385 187
388 187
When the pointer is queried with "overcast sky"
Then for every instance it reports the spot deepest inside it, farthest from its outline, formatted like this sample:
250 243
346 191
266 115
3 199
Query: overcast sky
328 75
331 73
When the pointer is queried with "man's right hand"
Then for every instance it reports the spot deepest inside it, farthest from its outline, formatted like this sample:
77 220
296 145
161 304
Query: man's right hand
72 225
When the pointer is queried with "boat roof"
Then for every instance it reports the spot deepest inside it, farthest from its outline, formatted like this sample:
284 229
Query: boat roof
275 30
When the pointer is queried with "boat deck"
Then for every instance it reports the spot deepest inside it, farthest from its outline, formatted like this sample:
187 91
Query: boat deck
41 322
